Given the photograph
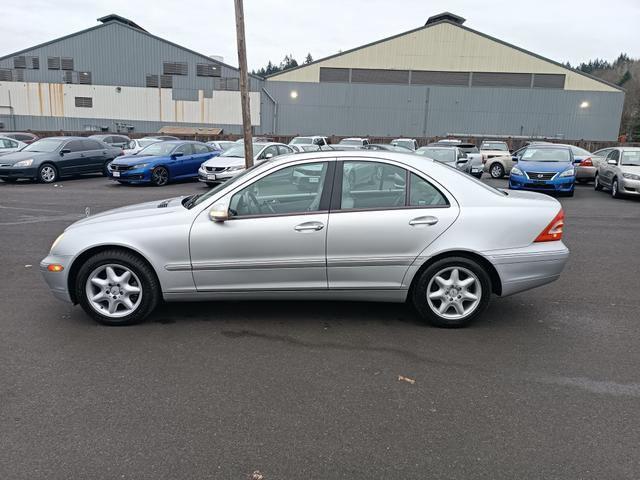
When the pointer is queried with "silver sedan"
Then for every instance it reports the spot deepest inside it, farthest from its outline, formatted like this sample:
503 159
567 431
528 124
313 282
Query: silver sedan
411 229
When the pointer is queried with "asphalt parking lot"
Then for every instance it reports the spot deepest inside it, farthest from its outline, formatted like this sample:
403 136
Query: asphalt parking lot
546 385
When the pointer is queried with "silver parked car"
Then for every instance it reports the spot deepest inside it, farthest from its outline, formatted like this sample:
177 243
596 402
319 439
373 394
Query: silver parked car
10 145
620 172
454 157
415 232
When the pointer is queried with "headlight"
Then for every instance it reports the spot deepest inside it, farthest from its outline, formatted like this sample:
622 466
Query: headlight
568 173
56 242
24 163
516 171
140 165
631 176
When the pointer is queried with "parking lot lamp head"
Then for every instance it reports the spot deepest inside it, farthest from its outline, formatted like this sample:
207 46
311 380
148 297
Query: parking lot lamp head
584 104
294 94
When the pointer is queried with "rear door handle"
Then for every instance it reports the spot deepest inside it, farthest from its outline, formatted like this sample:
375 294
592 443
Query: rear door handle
309 227
423 221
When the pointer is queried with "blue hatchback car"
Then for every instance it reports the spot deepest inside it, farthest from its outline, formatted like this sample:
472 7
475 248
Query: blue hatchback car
545 168
162 162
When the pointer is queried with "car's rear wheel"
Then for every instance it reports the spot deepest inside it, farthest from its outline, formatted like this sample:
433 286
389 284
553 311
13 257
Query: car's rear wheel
496 170
160 176
47 173
452 292
615 192
596 184
117 288
105 168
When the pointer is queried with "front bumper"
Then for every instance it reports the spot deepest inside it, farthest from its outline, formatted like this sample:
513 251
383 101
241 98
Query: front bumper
526 268
137 175
19 172
628 186
57 281
213 177
557 185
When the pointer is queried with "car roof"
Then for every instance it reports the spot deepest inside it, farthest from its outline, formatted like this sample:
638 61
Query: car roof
63 138
408 158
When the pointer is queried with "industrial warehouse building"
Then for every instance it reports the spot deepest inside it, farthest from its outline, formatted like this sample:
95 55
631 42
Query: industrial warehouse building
442 78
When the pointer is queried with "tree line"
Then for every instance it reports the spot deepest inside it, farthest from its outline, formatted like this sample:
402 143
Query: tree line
287 62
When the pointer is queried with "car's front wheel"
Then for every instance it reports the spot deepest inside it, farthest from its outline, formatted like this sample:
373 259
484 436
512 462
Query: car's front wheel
47 173
116 287
615 192
496 170
160 176
452 292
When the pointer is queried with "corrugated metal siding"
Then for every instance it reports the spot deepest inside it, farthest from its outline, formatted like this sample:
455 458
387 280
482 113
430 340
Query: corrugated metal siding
414 110
121 56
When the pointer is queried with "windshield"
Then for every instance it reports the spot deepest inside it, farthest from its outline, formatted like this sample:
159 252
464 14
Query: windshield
469 148
350 142
238 151
445 155
157 149
44 145
197 199
145 143
495 146
631 158
546 155
301 141
403 143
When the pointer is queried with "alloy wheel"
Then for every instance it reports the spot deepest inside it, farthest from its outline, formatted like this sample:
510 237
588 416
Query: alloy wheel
48 174
160 176
497 171
454 293
113 290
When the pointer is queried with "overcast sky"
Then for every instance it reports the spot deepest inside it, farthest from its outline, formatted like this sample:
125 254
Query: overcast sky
573 30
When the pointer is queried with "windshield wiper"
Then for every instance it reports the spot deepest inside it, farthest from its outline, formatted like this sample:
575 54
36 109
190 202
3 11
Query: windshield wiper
190 201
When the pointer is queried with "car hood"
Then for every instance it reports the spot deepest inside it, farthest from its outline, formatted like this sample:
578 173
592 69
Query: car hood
499 153
14 157
543 166
220 161
132 212
135 159
623 168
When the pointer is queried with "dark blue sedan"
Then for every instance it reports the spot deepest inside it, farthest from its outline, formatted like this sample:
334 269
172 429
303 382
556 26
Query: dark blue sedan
161 163
544 168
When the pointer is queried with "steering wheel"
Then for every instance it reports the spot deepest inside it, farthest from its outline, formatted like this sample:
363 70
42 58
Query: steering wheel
254 200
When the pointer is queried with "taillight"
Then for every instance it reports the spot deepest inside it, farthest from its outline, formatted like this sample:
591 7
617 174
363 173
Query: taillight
586 162
553 231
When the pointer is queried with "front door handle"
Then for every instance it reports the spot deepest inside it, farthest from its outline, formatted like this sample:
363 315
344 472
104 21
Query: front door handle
309 227
423 221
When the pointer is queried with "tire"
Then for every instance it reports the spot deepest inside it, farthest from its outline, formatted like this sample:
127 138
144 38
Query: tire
160 176
47 173
450 316
596 184
105 169
615 192
141 276
569 194
496 170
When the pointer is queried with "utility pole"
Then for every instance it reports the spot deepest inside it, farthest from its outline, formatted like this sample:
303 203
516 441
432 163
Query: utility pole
244 85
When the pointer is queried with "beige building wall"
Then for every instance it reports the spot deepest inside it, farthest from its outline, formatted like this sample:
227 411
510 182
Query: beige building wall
444 47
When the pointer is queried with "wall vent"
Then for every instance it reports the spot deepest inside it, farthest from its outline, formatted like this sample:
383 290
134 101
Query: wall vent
166 81
207 70
175 68
53 63
84 102
20 62
152 81
66 63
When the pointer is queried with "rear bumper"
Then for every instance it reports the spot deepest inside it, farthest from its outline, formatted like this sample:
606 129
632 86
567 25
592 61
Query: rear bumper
57 281
586 173
559 185
529 267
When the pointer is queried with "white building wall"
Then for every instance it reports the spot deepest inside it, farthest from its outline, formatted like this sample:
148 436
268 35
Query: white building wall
124 103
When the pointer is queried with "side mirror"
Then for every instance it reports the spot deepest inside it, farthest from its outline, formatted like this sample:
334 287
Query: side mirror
132 144
268 156
64 150
514 158
219 213
176 155
611 161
